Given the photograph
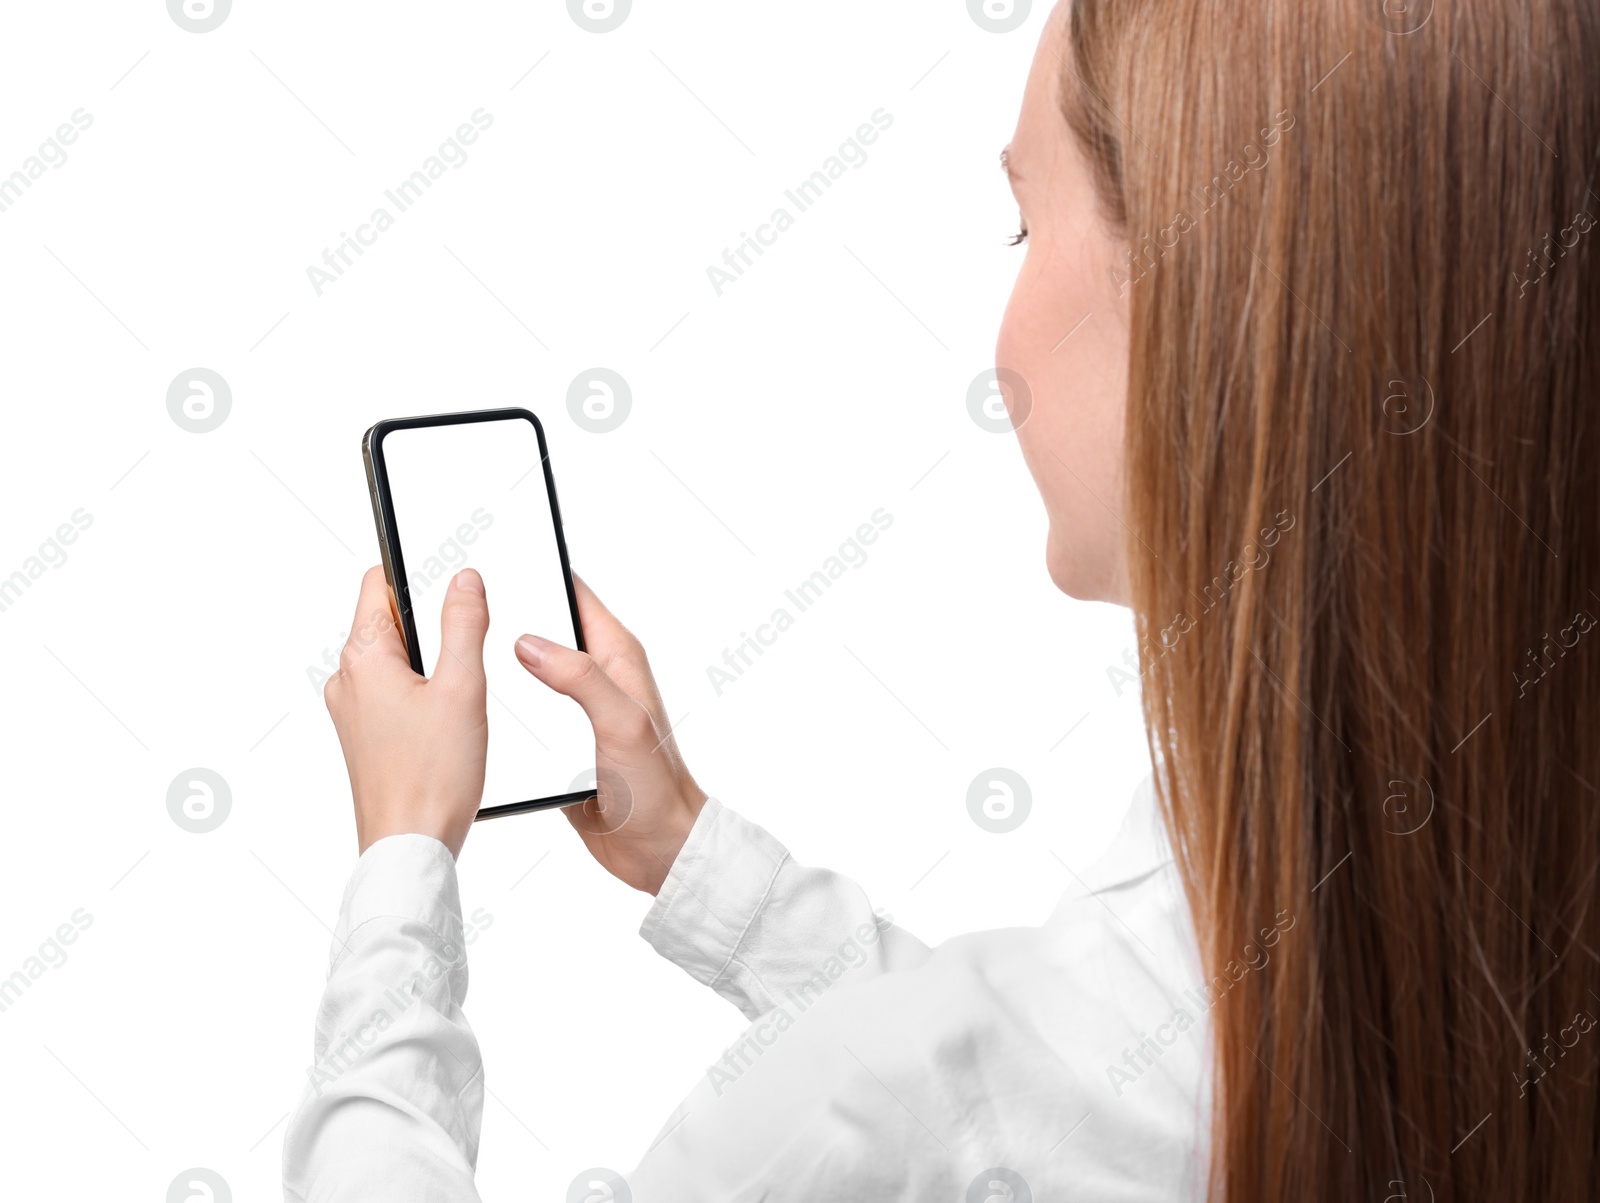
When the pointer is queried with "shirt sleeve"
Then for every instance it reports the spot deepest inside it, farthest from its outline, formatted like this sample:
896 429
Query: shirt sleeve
394 1104
740 915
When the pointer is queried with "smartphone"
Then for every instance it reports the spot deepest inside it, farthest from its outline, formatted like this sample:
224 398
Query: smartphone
475 490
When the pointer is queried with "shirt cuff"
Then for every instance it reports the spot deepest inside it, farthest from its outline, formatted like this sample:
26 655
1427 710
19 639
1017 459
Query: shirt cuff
407 877
714 890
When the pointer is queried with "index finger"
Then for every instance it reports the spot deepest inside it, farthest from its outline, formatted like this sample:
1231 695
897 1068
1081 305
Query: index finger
617 649
600 626
374 633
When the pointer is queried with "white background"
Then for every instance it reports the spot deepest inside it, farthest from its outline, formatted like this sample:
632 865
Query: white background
767 424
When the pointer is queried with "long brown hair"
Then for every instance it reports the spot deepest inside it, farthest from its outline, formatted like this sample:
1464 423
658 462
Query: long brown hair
1363 465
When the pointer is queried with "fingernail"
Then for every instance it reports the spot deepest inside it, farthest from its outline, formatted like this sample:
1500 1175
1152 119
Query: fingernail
529 652
469 581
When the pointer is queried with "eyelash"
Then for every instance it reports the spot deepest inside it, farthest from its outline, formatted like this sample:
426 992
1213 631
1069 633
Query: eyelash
1019 237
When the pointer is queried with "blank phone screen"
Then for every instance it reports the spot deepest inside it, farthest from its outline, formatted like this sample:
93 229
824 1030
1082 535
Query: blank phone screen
475 495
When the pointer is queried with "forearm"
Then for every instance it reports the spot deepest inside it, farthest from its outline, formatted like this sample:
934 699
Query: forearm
395 1098
739 914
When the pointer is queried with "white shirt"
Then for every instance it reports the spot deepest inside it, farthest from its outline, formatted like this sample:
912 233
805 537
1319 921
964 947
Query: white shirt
1070 1058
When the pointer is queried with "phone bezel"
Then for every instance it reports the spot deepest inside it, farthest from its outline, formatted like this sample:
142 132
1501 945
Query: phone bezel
394 569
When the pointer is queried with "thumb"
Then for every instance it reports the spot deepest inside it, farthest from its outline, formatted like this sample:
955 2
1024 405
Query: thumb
617 718
463 624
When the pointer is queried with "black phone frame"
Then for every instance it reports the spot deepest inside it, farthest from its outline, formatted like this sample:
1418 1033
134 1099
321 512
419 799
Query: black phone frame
394 569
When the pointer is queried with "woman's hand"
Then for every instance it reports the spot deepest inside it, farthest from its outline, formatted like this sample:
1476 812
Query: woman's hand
414 746
647 801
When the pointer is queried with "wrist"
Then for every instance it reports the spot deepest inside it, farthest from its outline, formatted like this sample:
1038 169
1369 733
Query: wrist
375 828
669 841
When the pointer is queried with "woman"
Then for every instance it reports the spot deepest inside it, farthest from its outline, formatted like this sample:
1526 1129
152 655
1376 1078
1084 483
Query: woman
1344 307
